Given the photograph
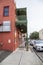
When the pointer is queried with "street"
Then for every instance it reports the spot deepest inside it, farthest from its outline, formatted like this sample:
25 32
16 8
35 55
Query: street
22 57
31 56
39 54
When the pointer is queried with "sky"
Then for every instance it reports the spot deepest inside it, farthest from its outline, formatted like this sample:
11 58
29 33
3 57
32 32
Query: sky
34 13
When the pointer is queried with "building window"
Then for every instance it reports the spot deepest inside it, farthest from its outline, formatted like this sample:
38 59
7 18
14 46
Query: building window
6 11
5 27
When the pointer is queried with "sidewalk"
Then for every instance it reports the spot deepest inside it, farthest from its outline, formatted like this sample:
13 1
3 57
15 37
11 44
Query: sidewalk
22 57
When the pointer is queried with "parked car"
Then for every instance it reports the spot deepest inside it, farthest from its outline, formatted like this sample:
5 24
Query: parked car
38 45
32 42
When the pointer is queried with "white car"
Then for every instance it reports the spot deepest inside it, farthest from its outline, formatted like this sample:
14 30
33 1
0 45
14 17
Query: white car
38 45
32 42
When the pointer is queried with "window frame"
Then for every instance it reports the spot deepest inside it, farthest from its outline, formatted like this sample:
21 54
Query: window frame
4 12
4 27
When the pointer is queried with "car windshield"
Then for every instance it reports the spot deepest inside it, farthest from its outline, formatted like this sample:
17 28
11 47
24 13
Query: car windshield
39 42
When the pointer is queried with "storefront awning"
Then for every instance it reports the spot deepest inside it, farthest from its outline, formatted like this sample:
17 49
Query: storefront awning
21 22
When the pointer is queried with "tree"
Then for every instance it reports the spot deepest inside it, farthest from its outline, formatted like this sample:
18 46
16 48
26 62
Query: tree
34 35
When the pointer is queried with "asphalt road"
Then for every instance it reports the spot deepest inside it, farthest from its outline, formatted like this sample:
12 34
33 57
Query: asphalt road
39 54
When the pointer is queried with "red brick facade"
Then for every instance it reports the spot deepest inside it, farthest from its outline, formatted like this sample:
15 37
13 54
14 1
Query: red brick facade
8 41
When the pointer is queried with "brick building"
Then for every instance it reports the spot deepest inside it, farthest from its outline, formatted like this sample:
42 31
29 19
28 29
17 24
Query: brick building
9 32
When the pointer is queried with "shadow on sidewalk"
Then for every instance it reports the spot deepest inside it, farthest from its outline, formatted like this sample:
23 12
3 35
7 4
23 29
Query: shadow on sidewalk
4 54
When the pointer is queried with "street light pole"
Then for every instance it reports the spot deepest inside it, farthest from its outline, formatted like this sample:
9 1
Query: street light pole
27 36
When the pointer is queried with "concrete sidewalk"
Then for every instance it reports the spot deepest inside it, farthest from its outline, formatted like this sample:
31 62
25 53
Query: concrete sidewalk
22 57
